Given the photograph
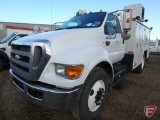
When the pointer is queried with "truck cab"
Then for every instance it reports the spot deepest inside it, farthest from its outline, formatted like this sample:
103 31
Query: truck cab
5 47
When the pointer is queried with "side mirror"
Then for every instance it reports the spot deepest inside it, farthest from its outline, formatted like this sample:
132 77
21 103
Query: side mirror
126 35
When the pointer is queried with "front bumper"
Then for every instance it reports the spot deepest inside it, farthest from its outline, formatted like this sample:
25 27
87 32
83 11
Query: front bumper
45 95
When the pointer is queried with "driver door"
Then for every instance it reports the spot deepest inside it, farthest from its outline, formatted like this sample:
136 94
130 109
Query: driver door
114 43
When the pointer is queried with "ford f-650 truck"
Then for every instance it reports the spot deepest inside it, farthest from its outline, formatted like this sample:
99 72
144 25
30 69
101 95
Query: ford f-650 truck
74 67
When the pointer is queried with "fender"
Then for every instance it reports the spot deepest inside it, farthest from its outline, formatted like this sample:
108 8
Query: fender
88 54
4 56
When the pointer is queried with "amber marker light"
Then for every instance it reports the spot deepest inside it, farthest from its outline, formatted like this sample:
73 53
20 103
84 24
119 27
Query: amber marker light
73 72
127 20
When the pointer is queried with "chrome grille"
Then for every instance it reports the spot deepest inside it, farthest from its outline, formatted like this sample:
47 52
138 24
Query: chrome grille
21 48
28 61
20 60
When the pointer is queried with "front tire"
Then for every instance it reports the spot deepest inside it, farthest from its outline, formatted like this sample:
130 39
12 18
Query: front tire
92 96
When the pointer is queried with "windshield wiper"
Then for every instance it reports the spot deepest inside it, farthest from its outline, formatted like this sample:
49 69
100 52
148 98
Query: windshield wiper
59 29
70 27
75 27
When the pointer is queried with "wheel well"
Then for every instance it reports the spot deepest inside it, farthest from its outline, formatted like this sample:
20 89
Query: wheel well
107 67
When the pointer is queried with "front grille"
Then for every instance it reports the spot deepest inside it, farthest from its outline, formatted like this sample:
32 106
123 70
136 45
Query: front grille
21 48
20 67
22 58
28 61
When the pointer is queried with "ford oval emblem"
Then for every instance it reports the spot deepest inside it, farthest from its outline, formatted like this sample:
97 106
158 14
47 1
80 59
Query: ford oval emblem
17 57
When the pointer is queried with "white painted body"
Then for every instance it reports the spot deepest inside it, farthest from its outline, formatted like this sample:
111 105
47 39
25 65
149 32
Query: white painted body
86 46
154 46
85 53
137 10
138 43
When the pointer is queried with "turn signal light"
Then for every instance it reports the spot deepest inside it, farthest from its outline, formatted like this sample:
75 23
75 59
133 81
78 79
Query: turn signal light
73 71
127 20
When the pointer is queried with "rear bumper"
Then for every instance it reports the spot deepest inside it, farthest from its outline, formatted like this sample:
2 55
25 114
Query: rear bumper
46 95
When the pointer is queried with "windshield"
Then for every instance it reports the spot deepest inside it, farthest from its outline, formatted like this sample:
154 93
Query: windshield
84 21
7 38
152 43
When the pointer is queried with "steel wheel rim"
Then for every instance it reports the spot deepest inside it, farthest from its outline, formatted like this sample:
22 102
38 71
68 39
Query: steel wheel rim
96 95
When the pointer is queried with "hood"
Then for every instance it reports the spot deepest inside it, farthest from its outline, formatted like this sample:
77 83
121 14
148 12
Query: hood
62 34
62 39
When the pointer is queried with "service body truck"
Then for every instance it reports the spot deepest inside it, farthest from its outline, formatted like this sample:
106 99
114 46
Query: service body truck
75 66
5 47
154 46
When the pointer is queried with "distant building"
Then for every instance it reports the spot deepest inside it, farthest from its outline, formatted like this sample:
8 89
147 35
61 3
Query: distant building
7 28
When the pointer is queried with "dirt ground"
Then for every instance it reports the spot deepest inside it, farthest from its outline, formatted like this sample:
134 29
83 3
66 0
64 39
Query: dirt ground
125 104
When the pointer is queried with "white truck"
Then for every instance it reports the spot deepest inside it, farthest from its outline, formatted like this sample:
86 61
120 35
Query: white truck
154 46
74 67
5 47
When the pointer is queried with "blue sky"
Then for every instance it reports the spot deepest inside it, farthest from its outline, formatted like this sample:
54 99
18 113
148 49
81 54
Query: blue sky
39 11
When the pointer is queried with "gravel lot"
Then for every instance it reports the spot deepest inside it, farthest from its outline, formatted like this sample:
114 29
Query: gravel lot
125 104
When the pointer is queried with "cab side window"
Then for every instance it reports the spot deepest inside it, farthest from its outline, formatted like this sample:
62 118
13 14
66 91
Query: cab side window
112 25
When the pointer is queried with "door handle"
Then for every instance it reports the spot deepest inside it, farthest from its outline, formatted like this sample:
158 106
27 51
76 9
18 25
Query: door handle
107 43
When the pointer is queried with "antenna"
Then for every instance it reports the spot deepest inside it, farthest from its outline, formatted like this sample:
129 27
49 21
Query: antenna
51 14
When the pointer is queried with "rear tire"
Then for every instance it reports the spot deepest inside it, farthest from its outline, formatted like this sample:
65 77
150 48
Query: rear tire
92 96
140 68
1 64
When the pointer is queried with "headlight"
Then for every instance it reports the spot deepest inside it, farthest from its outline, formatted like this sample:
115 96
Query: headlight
60 69
67 71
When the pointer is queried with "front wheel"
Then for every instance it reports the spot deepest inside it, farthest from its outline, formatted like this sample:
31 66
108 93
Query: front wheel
92 96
